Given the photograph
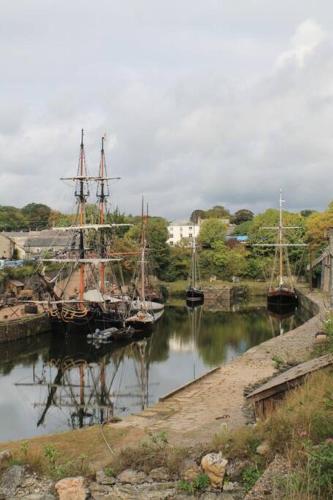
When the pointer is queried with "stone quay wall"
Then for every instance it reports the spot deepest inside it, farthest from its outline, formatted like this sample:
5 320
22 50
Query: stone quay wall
24 327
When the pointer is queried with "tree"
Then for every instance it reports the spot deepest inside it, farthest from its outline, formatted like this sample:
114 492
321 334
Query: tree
179 264
211 231
306 213
242 215
217 212
196 215
12 219
37 215
58 219
157 235
243 229
317 225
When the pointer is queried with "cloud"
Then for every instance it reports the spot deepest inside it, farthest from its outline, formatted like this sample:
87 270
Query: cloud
308 36
201 105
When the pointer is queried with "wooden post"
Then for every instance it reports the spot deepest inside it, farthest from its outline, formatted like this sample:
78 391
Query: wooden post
331 266
310 266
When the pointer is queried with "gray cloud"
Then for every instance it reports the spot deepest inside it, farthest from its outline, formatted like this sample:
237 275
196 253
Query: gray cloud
202 103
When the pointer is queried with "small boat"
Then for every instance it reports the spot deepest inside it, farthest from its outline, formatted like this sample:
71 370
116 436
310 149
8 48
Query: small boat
156 309
141 321
194 293
111 334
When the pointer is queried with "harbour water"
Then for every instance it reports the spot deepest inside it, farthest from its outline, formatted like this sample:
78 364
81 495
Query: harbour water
50 383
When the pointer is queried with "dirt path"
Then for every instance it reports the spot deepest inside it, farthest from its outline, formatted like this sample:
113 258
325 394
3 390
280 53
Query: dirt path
196 412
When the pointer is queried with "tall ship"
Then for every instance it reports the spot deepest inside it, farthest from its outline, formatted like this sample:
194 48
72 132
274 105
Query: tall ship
194 292
83 294
281 293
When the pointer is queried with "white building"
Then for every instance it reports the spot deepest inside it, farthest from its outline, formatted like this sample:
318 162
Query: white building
180 230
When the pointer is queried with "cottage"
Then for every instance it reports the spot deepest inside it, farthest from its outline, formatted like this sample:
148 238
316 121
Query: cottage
182 230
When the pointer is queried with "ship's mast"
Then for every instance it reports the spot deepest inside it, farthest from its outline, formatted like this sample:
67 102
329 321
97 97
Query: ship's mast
81 194
193 273
102 195
280 242
143 252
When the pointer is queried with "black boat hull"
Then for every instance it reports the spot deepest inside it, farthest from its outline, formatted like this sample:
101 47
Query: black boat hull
281 301
195 296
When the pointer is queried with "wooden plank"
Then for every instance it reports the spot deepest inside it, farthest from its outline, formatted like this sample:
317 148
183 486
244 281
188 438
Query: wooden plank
282 382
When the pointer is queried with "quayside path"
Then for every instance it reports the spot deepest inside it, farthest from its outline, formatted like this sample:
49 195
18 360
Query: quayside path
194 413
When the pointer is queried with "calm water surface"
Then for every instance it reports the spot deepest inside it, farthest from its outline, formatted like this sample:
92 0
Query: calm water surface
50 384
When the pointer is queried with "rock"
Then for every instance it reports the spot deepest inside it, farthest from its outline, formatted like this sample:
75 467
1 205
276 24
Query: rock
263 449
71 488
5 455
278 468
159 474
320 338
131 476
214 465
191 473
230 486
146 491
11 479
98 491
235 468
40 496
103 478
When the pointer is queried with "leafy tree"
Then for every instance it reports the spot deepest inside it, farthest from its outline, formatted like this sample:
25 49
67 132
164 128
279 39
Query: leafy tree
217 212
37 215
196 215
179 264
243 229
241 216
211 231
58 219
12 219
318 224
306 213
157 235
270 218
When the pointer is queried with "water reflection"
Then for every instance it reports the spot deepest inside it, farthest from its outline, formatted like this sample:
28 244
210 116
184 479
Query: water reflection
52 383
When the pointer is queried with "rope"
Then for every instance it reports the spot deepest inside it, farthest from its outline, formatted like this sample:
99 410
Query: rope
105 440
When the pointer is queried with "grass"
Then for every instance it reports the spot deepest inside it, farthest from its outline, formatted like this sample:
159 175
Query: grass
67 445
326 347
199 484
150 453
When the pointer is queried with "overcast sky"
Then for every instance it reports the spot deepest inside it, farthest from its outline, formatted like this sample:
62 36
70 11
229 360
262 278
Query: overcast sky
203 102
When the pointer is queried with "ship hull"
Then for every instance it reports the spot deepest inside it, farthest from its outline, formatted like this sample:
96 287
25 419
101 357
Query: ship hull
194 296
282 301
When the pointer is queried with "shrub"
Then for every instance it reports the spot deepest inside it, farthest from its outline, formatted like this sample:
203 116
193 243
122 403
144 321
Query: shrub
149 454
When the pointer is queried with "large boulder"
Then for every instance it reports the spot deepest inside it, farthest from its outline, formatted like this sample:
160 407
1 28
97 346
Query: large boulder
214 465
5 455
72 488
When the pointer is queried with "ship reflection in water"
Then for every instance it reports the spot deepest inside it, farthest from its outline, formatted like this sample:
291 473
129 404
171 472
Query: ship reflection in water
52 383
